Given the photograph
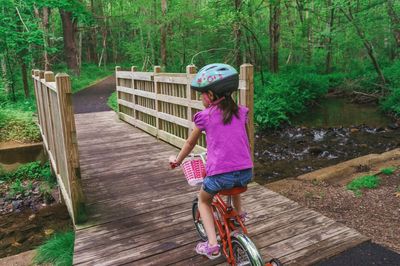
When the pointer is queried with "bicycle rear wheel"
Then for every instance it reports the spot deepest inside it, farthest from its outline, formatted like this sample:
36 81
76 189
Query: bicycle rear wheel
244 251
201 231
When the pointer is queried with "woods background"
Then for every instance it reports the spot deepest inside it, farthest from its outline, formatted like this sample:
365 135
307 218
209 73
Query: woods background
300 48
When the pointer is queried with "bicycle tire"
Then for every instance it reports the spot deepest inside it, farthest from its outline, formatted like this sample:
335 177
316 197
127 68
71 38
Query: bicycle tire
197 220
244 250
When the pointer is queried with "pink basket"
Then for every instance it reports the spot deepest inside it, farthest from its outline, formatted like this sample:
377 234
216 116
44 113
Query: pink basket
194 171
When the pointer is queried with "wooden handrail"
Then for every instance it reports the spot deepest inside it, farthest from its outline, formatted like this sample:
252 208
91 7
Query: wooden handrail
57 126
163 104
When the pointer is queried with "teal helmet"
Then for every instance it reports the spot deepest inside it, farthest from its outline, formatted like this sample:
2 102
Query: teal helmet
221 79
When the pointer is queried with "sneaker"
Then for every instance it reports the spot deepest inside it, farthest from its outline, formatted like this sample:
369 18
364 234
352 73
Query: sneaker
212 253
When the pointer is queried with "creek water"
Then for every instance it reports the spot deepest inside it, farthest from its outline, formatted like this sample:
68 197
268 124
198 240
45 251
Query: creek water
334 131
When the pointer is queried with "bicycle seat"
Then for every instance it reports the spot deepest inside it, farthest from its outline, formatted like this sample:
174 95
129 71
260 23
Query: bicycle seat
233 191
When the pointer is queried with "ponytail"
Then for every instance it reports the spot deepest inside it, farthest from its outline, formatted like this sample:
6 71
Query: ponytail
229 109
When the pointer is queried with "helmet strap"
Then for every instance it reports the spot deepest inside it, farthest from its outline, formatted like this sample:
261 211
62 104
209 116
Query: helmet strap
218 101
208 100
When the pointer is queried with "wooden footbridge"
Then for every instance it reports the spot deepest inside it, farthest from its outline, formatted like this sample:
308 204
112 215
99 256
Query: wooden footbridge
128 207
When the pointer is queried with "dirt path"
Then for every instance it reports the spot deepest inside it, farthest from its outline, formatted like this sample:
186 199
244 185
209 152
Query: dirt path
94 98
375 213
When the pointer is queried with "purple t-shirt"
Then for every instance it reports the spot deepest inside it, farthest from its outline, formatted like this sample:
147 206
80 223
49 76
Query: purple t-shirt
228 147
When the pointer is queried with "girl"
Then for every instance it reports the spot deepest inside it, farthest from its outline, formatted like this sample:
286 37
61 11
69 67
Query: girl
229 161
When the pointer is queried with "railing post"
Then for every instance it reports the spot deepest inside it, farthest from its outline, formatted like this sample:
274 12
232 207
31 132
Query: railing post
35 73
117 68
246 98
190 69
133 69
64 93
157 69
51 139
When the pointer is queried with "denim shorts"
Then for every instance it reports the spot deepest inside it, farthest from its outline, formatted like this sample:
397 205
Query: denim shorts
213 184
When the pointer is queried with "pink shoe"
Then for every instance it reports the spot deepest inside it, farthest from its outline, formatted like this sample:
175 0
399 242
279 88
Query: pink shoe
212 253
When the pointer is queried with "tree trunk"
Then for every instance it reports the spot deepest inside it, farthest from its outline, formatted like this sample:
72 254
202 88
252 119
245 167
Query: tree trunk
44 25
395 21
237 33
368 46
163 47
4 75
24 74
93 38
328 62
69 25
274 32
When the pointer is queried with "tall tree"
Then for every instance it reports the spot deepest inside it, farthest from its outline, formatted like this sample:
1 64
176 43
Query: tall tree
395 24
43 15
164 28
367 44
69 25
237 33
329 26
274 33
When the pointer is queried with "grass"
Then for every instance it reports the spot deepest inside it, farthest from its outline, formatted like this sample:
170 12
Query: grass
20 180
18 125
17 119
363 182
31 171
388 170
90 74
58 250
112 101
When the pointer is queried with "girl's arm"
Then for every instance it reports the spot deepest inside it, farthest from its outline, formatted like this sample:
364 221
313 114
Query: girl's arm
189 145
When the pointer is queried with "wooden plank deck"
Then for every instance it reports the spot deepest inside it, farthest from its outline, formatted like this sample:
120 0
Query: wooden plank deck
140 211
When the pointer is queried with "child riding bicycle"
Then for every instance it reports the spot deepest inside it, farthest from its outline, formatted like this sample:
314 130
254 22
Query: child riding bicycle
229 162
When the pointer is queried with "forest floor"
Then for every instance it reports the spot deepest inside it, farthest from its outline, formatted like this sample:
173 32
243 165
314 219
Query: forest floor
375 212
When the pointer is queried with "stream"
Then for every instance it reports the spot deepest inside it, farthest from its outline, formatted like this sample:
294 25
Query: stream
334 131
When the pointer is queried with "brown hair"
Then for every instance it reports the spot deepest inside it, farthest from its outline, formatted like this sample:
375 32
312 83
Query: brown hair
229 109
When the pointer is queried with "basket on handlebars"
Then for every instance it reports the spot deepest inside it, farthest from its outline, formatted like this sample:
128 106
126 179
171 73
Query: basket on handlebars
194 170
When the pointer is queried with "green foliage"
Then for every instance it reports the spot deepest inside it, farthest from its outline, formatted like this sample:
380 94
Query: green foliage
286 95
18 126
359 183
388 170
17 188
45 190
90 74
58 250
112 101
31 171
390 103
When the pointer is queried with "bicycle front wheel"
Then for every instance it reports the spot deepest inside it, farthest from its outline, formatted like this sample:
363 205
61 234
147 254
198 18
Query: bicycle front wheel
198 223
244 251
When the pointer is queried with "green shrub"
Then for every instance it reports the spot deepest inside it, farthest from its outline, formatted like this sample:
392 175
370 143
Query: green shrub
19 126
90 74
58 250
17 188
392 74
112 101
285 95
388 170
32 171
391 102
368 181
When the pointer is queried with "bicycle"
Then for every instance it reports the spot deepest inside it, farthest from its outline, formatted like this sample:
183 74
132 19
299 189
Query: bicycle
236 246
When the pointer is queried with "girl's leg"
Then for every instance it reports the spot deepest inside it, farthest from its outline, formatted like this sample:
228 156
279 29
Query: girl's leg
237 203
206 214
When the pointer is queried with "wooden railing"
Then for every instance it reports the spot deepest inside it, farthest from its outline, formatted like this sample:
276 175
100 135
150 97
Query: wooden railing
163 104
57 126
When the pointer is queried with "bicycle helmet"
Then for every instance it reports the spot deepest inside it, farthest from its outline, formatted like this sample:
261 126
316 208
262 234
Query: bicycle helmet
221 79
